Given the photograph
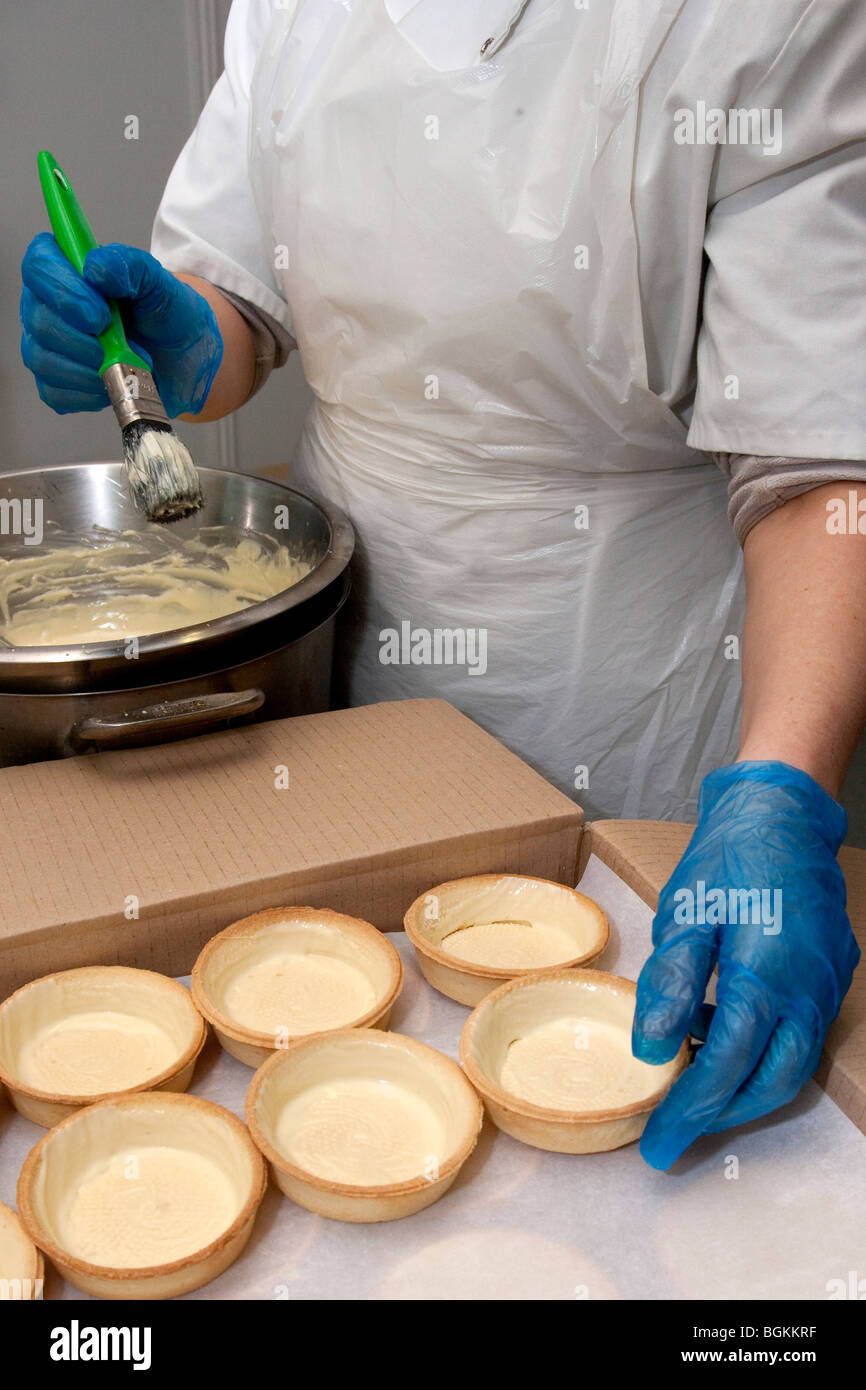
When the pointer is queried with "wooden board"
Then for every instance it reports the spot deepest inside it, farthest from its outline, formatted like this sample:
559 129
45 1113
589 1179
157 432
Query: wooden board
645 853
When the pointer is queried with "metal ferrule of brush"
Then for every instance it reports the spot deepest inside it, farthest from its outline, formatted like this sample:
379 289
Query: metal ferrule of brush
133 396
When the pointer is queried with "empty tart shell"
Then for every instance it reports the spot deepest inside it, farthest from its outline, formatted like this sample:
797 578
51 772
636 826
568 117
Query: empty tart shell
80 1036
290 972
22 1267
145 1197
362 1125
551 1056
471 934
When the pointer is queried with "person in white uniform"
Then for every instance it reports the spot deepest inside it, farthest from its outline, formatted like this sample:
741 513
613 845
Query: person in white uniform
569 280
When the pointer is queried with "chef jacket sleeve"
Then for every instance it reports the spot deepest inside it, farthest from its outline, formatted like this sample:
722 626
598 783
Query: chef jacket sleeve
208 223
758 486
271 343
781 360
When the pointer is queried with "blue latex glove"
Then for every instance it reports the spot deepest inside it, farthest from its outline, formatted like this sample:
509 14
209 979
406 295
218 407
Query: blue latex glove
761 825
62 312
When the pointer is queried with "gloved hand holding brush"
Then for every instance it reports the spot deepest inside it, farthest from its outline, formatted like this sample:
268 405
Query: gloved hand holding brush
62 313
71 312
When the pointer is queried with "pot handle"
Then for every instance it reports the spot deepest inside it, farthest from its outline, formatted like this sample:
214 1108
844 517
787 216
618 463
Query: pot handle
166 716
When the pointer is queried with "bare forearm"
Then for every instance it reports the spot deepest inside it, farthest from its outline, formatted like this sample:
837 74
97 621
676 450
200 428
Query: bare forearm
804 649
234 380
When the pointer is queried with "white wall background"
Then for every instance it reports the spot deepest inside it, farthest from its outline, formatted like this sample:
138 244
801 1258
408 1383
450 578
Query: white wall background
70 73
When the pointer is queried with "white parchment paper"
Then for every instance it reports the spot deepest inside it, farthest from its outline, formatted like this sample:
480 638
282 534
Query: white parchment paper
523 1224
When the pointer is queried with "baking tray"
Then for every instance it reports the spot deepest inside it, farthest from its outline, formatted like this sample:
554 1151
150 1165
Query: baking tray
522 1224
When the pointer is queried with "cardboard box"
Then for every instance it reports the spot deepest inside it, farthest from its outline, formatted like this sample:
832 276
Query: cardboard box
645 853
139 857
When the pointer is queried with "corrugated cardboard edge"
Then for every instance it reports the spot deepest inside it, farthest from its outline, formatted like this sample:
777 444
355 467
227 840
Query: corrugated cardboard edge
387 801
549 850
644 854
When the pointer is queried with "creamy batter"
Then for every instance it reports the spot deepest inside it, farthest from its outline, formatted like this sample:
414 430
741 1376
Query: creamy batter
359 1130
147 1207
511 944
88 1054
577 1064
135 585
299 993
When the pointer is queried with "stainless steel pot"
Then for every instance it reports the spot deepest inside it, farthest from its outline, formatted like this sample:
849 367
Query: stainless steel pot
267 661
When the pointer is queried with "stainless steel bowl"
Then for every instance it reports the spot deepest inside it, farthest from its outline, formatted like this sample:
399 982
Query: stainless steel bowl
275 654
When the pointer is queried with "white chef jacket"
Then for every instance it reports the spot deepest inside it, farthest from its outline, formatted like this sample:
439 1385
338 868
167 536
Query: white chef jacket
748 318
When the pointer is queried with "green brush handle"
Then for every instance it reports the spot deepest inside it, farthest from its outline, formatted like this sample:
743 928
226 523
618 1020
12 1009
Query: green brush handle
74 237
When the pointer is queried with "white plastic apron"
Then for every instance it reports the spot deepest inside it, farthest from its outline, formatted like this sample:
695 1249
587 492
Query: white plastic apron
480 381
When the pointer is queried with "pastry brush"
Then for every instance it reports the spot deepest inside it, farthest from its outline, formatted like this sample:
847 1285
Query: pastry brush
162 477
